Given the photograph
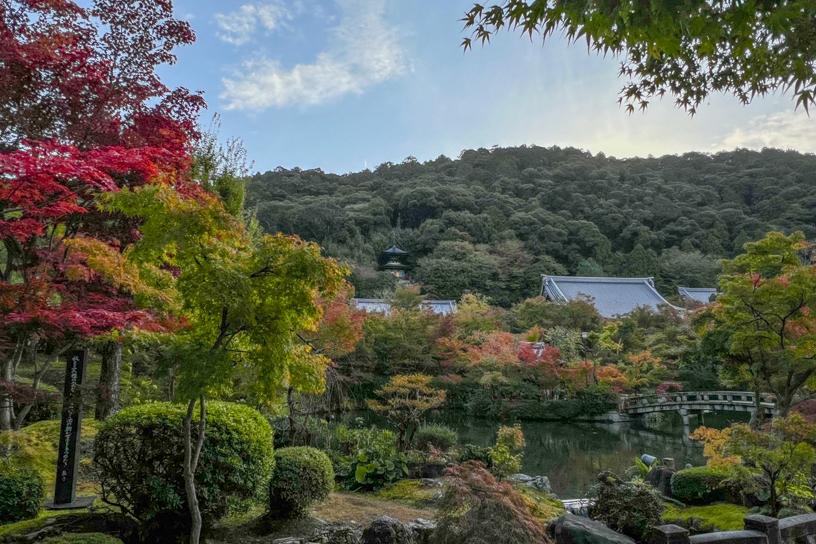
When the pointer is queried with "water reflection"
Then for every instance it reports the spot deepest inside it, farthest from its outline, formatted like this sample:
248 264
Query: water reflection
572 454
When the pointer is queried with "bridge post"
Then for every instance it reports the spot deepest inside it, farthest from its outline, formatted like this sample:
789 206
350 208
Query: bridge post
668 534
764 524
685 415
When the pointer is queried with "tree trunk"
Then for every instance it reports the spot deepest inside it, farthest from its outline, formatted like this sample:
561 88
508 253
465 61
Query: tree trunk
290 403
7 367
191 463
107 401
759 412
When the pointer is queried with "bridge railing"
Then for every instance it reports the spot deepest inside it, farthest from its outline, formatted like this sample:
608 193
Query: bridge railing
630 402
758 530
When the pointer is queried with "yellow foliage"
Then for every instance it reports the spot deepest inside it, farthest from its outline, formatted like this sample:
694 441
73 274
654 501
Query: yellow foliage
714 442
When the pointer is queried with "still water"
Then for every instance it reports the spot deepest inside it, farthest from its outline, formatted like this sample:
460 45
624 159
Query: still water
572 454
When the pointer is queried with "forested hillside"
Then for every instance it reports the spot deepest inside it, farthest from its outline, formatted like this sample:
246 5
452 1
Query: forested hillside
493 220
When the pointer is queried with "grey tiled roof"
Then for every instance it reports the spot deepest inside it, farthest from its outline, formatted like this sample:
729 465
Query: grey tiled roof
700 294
382 306
611 296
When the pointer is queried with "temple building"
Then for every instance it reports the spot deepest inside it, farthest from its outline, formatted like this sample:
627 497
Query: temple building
699 294
610 296
382 306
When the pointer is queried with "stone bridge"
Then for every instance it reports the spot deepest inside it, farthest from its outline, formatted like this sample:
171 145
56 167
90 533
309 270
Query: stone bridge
758 530
688 403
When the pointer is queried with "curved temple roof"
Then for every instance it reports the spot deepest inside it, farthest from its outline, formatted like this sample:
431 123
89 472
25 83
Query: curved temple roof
611 296
700 294
379 305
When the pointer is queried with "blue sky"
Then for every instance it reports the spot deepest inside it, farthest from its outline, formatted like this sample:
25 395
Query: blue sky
341 85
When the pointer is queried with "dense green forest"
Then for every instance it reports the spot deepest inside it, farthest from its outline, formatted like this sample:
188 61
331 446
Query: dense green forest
493 220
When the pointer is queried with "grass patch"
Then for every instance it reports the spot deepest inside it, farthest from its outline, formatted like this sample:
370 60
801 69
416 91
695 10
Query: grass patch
409 492
713 517
364 508
27 525
35 446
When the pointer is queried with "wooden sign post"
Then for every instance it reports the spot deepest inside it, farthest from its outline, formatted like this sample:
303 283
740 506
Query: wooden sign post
68 460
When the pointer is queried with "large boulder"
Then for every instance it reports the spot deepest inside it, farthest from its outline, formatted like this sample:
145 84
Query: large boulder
337 533
387 530
660 479
540 483
422 529
571 529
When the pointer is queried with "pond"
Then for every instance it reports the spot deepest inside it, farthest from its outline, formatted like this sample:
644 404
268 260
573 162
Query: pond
572 454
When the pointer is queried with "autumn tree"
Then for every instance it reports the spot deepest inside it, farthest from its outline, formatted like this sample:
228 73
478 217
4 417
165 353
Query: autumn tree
244 299
82 112
404 401
687 50
767 301
775 462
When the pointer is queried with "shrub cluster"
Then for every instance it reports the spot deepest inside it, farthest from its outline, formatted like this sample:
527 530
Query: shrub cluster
302 476
20 493
368 458
631 508
699 485
139 456
439 437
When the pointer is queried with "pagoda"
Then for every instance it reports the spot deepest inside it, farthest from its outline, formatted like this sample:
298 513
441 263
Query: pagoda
393 258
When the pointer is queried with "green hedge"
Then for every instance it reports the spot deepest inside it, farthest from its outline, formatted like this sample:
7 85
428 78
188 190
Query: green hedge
302 476
440 437
82 538
140 452
699 485
21 491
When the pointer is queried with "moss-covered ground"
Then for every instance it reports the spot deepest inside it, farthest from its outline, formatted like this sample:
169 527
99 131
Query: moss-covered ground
719 516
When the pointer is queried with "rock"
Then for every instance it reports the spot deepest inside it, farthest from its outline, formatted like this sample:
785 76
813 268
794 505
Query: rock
422 529
387 530
689 465
289 540
519 478
660 478
539 483
431 482
338 533
570 529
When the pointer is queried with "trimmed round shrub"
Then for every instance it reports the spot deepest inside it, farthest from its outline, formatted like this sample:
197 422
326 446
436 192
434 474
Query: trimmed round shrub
699 485
82 538
139 453
21 491
472 452
439 437
302 477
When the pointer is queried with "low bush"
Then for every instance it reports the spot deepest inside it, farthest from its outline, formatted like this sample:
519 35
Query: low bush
477 508
302 477
82 538
439 437
368 459
506 455
139 455
21 491
472 452
700 485
631 508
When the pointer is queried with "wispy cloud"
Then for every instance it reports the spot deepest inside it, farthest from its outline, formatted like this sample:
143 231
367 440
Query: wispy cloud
364 50
239 26
785 130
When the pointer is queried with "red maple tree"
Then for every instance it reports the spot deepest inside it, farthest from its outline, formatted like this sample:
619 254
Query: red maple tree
82 112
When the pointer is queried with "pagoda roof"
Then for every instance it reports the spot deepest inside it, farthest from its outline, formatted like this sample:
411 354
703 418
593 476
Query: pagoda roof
610 296
394 250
